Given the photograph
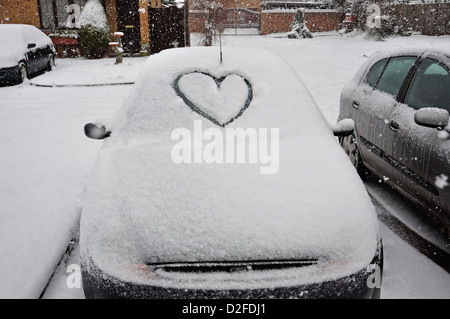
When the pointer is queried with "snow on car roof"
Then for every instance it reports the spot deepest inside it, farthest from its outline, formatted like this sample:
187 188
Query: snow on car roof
142 207
155 107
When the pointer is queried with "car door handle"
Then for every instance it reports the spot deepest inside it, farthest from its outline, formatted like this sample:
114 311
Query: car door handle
355 104
394 126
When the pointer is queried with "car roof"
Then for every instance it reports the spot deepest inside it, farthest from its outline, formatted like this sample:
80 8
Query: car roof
11 26
279 97
14 30
440 51
17 35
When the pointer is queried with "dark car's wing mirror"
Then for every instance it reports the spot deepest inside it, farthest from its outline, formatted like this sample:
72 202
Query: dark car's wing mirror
343 128
31 45
96 132
432 117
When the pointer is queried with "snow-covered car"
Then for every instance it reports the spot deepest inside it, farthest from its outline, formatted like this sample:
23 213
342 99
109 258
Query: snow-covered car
223 180
400 102
25 50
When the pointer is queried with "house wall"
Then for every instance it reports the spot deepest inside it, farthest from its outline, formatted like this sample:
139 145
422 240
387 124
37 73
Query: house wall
276 21
155 3
247 4
20 11
143 16
111 15
197 20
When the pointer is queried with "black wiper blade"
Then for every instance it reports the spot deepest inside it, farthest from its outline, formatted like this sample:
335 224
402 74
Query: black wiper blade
231 266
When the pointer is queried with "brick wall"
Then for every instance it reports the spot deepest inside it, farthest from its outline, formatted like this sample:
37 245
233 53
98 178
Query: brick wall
197 15
323 20
275 21
143 21
228 4
111 15
197 20
20 11
246 4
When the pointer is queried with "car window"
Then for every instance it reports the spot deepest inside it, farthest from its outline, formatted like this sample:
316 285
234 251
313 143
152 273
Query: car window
375 72
430 86
394 74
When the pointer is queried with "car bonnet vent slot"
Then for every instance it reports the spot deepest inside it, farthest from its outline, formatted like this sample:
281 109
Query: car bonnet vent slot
209 267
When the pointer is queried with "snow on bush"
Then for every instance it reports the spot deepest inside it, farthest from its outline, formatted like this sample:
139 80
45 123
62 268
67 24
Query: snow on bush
94 32
94 14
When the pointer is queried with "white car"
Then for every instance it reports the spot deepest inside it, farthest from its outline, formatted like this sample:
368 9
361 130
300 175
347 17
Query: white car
223 180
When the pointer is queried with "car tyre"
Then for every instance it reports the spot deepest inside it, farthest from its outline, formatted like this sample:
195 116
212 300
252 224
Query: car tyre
51 63
350 146
23 74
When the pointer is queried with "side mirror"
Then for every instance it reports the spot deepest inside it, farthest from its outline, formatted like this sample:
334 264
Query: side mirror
432 117
31 45
96 132
343 128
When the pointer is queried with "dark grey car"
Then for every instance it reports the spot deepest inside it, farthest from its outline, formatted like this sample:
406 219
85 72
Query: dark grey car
25 50
400 102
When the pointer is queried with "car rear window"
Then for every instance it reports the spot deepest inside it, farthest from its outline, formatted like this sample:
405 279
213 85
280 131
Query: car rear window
430 86
394 74
375 72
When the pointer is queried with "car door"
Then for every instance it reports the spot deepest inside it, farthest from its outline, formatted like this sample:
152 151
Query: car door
373 103
421 155
386 93
42 50
32 55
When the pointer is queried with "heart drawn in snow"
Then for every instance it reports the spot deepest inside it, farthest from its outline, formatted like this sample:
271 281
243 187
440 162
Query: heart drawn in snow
220 100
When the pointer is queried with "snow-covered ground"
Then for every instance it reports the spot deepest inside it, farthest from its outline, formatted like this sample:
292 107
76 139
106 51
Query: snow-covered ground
82 72
46 158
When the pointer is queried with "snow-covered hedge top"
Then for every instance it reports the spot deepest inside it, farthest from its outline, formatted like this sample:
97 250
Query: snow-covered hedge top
14 39
142 207
94 14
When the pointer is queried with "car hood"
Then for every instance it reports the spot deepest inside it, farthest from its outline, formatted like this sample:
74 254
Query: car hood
13 45
143 207
10 55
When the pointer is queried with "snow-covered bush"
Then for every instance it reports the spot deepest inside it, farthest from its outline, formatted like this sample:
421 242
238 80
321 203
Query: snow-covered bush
298 26
339 4
379 33
359 10
94 32
365 12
